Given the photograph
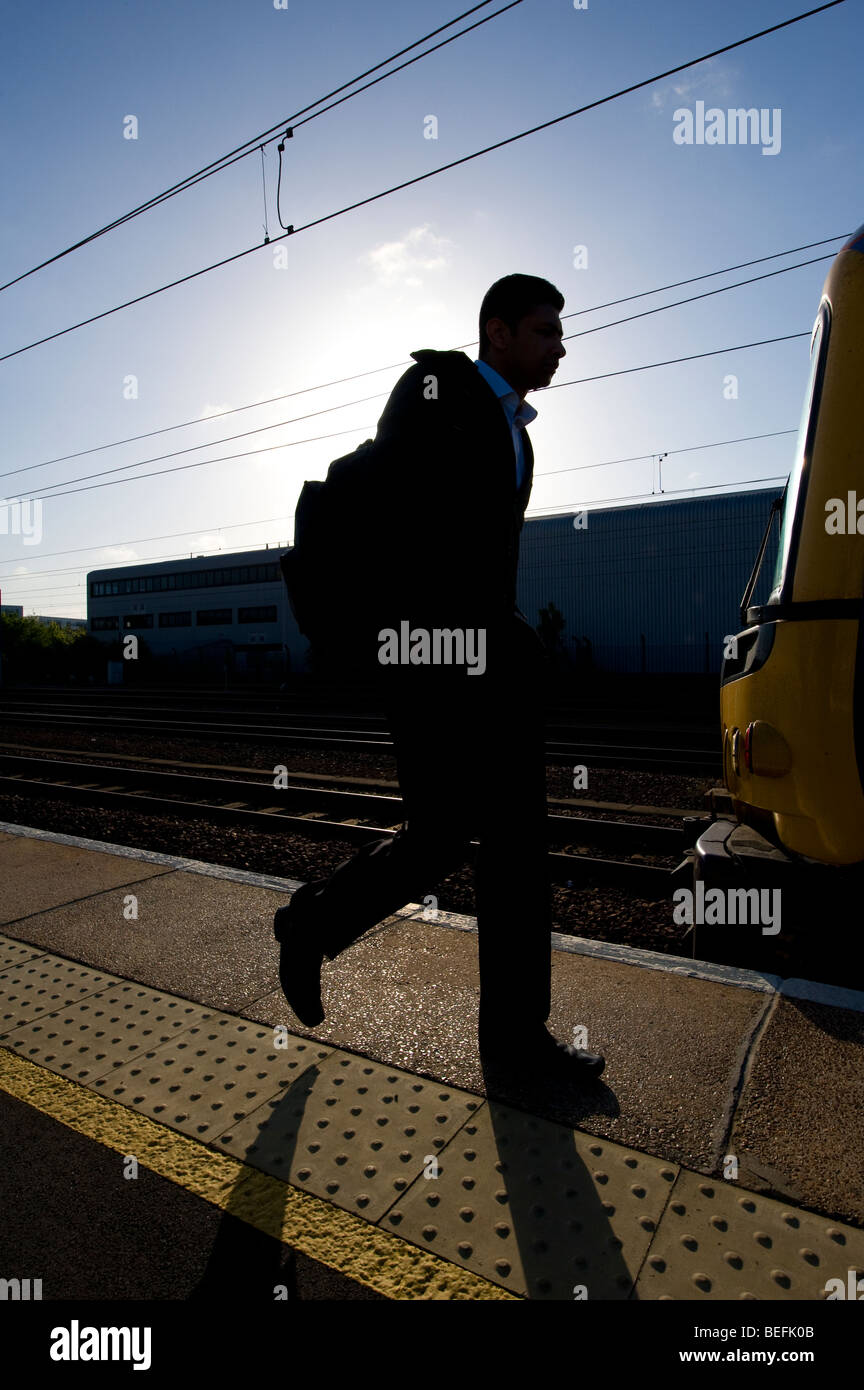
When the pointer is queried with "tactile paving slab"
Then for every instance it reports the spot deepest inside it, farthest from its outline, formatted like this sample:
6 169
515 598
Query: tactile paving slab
104 1031
212 1076
14 952
42 986
717 1241
353 1131
539 1208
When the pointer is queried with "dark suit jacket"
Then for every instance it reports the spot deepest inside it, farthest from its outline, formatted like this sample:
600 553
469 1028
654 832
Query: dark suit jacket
450 515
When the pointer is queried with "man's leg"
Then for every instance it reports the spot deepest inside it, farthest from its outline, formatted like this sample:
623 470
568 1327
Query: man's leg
381 877
513 898
374 883
512 881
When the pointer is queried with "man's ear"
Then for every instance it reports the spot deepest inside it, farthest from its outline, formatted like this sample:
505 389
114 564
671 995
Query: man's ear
496 325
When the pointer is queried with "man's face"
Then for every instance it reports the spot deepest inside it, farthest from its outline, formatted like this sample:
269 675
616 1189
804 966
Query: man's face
528 358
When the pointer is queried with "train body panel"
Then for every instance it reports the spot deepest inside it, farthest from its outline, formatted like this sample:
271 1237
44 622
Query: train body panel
796 768
792 689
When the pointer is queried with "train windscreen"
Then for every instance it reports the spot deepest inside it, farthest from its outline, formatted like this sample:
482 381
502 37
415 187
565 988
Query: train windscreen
803 449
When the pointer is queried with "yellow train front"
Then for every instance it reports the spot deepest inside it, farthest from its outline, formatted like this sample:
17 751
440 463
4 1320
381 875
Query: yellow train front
792 684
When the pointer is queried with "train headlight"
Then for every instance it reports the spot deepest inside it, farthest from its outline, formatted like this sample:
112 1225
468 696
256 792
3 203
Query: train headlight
766 752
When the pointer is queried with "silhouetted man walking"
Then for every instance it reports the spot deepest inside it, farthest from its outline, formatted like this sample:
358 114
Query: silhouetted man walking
461 674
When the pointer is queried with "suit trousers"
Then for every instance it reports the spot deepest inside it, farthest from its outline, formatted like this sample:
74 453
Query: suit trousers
470 753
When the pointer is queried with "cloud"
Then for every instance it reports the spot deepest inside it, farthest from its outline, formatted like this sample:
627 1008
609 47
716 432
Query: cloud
117 553
209 410
708 82
405 262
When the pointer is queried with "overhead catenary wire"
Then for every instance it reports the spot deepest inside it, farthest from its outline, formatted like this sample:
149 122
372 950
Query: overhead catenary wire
373 371
707 275
54 589
568 115
184 467
210 444
144 540
28 468
278 520
151 560
46 493
248 147
419 178
279 149
141 560
667 453
671 361
691 299
565 508
562 509
264 191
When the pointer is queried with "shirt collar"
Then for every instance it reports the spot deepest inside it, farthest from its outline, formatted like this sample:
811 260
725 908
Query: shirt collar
523 414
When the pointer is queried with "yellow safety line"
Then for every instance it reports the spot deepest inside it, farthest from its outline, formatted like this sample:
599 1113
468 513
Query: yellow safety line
344 1242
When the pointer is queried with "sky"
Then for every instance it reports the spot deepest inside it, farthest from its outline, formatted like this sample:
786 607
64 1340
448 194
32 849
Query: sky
607 204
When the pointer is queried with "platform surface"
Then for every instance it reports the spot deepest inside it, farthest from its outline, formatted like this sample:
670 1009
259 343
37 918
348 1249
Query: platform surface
718 1157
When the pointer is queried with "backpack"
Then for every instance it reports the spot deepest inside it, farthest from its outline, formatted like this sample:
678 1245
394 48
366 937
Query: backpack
328 570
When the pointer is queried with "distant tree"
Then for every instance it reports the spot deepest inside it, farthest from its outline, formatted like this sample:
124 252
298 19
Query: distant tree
551 631
34 651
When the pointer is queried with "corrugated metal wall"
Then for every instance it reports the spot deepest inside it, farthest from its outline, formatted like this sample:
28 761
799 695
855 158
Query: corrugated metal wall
653 587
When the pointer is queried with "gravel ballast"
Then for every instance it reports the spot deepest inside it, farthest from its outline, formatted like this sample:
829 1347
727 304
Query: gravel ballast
598 913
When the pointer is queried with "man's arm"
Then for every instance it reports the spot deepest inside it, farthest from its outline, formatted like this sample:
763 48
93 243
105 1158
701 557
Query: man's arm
432 484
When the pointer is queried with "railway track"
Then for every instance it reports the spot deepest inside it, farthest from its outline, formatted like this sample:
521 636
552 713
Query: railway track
354 816
654 748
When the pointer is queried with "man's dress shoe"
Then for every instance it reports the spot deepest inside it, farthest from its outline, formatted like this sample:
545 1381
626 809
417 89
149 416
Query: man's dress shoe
540 1056
300 963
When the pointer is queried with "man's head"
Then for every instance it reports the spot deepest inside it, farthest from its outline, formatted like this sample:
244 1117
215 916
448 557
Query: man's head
520 331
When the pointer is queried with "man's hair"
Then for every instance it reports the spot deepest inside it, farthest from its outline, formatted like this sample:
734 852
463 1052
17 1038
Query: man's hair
511 299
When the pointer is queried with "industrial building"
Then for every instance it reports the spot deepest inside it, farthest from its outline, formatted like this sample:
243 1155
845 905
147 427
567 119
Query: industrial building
208 615
653 587
73 623
16 610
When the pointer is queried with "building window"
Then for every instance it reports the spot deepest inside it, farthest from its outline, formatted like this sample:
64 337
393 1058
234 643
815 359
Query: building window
187 579
136 620
212 616
104 624
265 613
175 619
